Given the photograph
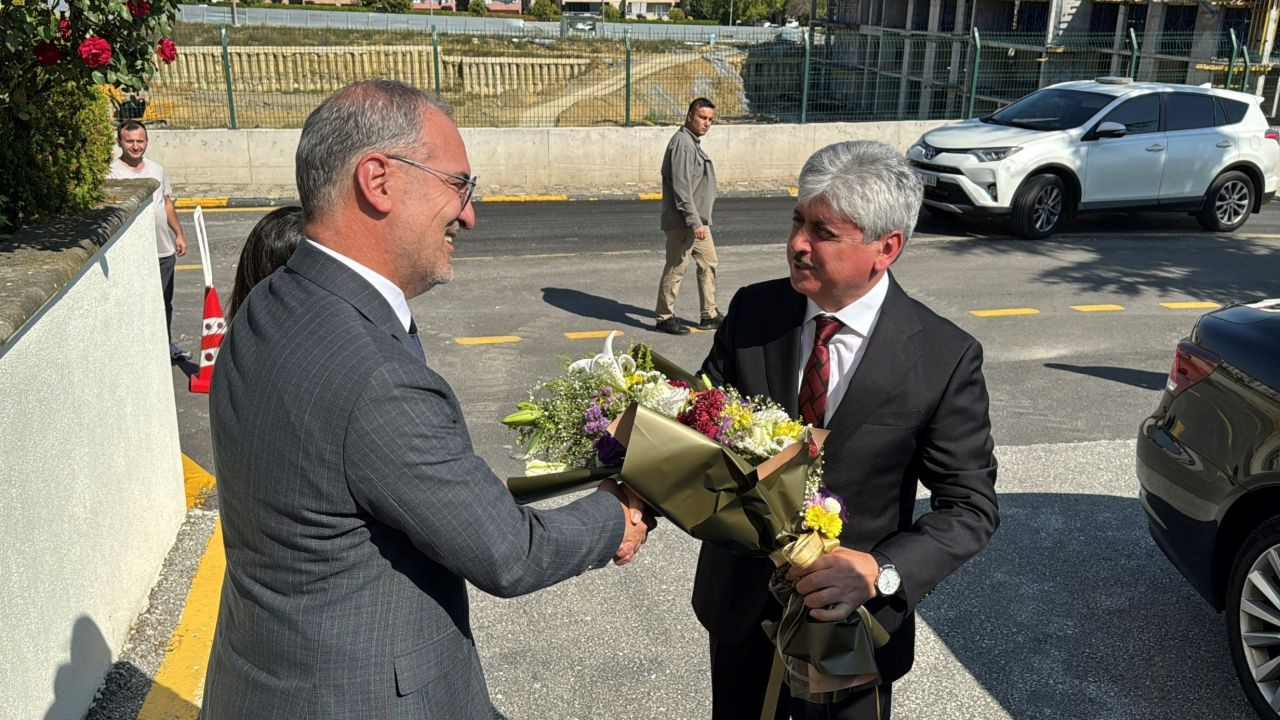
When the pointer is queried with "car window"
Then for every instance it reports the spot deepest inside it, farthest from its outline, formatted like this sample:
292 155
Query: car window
1184 111
1139 116
1232 110
1050 110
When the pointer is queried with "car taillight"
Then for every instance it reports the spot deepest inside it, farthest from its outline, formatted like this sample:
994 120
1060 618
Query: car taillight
1273 134
1191 364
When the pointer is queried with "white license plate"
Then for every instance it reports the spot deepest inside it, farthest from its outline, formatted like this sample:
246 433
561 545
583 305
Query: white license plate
928 180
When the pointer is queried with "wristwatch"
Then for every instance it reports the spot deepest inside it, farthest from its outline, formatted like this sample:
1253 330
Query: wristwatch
888 581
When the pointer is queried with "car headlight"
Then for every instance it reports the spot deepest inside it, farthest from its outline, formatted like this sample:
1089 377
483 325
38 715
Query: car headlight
994 154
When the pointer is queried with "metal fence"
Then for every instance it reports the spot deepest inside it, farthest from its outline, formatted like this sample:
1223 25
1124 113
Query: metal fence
273 76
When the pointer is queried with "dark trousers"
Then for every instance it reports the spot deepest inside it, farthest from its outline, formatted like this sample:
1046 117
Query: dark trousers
740 679
167 264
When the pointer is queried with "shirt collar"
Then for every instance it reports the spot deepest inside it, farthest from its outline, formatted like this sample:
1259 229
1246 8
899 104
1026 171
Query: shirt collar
394 295
860 315
696 139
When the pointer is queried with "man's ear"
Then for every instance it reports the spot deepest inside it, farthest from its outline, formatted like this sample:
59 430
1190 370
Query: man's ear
890 249
373 181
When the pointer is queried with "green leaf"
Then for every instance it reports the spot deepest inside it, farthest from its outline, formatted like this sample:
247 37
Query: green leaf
98 79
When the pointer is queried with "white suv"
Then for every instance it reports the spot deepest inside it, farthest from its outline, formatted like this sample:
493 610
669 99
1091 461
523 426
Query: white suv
1105 145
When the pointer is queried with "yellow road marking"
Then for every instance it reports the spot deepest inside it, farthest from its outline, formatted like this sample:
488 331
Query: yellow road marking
490 340
524 198
627 252
207 202
1190 305
186 267
1004 312
258 208
197 480
793 192
1097 308
591 334
179 683
649 196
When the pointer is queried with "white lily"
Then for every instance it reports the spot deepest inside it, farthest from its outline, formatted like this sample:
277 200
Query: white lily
615 369
540 467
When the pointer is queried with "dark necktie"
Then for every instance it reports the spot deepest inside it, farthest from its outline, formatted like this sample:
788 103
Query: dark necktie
813 387
413 338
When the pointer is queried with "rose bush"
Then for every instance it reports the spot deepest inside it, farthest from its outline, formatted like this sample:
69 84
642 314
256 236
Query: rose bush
52 59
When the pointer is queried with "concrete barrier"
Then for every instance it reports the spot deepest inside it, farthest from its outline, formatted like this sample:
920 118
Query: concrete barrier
259 163
91 489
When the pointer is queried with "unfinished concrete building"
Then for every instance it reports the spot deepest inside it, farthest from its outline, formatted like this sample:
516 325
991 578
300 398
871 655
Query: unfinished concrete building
908 59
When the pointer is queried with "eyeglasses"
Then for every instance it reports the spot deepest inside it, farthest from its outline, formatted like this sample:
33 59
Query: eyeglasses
462 184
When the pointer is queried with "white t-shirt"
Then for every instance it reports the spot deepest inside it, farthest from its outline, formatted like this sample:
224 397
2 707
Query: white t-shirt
120 170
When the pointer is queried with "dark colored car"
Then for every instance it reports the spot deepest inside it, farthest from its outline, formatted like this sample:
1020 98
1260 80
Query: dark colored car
1208 462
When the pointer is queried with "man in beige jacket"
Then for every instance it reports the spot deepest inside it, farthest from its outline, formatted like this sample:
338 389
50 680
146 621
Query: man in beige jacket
688 195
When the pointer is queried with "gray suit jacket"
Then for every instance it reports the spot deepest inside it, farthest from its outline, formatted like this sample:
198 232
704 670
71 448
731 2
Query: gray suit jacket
688 183
354 508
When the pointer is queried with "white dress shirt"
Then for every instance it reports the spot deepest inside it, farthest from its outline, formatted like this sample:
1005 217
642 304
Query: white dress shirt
388 289
848 345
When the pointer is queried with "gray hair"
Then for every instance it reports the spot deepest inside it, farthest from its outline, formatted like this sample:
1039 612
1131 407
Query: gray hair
867 183
383 115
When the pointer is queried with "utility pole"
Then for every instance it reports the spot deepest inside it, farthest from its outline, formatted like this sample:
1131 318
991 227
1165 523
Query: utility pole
730 13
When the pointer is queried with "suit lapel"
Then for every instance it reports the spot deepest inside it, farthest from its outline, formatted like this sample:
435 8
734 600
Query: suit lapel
782 352
890 354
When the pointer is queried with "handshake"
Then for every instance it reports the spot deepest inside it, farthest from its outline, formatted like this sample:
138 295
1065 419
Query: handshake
639 520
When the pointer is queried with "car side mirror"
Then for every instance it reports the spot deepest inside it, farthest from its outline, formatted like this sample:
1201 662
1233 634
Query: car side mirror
1109 130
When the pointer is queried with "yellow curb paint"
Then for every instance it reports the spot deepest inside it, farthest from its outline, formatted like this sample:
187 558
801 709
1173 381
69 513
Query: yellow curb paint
491 340
1190 305
207 202
1097 308
179 684
627 252
524 198
255 209
1004 312
186 267
591 334
793 192
649 196
197 480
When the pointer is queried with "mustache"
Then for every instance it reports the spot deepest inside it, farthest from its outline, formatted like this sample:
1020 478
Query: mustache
452 228
801 258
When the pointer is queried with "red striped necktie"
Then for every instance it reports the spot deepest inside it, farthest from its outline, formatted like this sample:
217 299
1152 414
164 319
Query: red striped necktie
817 372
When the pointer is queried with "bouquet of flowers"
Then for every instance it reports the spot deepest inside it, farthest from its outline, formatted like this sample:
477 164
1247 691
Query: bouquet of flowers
730 470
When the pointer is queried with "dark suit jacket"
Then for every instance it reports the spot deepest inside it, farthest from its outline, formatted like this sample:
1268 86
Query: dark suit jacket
353 509
915 411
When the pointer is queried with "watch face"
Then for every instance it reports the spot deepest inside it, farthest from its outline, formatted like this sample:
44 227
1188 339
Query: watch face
888 581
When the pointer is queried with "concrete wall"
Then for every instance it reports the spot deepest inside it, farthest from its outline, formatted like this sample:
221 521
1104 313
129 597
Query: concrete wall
259 163
91 492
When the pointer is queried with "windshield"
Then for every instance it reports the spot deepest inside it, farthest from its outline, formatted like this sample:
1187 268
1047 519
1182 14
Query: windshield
1051 110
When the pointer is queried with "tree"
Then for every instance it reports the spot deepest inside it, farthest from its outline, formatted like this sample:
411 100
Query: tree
799 9
479 8
544 10
676 15
389 6
610 12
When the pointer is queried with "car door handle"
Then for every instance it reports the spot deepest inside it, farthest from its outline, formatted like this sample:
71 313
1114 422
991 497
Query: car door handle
1155 148
1224 144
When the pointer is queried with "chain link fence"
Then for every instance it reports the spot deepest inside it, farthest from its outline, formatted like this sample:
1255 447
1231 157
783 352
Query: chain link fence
272 77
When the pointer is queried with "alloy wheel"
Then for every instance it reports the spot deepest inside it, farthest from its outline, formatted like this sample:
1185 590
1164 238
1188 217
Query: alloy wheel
1260 623
1232 203
1047 209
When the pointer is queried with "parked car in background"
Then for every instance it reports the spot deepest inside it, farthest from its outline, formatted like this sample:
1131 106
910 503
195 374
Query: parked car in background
1105 145
1208 465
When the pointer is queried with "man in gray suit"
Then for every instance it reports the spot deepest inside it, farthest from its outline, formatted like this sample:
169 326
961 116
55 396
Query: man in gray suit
353 506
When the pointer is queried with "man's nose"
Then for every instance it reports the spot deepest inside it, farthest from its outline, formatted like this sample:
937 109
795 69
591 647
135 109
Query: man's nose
468 217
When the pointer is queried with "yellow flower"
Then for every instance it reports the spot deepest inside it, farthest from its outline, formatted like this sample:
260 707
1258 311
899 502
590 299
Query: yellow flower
789 429
827 523
634 379
742 416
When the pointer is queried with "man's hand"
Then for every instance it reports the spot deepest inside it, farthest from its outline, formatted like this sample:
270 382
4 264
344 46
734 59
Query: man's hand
638 517
837 583
701 233
180 243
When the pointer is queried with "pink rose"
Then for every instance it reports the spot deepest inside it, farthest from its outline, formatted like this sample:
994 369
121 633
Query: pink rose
167 51
47 53
64 29
95 52
139 8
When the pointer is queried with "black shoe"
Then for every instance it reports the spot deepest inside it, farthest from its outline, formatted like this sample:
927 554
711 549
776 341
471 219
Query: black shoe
176 353
673 326
712 323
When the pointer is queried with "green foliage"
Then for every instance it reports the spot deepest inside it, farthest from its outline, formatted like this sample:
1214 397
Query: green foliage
54 161
610 12
676 15
478 8
389 6
544 10
744 11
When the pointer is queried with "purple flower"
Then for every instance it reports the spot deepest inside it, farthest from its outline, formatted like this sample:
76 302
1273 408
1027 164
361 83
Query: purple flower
595 420
609 450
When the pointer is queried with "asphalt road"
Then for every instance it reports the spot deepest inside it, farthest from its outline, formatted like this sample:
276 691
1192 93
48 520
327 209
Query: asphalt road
1071 612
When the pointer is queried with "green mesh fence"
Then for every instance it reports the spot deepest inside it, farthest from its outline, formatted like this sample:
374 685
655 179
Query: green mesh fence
272 77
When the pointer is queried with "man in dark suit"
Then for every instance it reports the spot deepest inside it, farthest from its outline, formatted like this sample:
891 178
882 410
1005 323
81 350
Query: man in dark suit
902 392
353 507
